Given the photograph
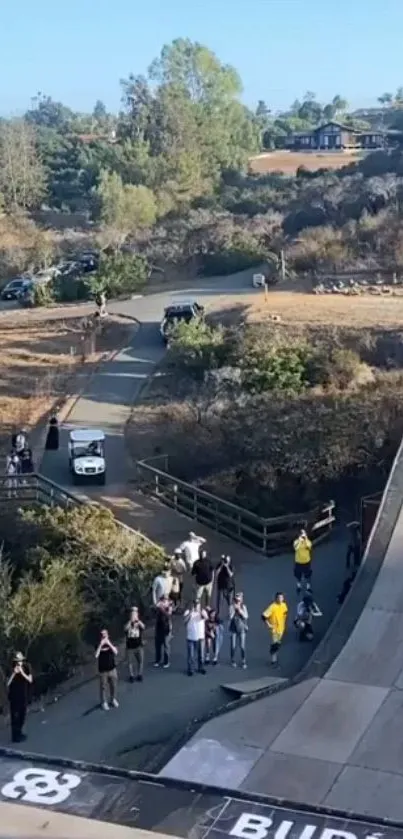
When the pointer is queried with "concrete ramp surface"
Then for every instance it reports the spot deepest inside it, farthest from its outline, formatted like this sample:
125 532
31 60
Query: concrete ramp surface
336 739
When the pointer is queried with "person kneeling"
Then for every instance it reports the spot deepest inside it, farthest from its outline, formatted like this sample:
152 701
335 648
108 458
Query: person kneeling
307 609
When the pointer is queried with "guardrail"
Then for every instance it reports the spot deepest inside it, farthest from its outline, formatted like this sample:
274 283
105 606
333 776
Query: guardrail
268 536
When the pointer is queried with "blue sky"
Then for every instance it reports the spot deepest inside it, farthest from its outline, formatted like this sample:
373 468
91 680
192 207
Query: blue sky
77 50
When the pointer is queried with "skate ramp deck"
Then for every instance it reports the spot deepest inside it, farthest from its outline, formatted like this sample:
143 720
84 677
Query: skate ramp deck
335 736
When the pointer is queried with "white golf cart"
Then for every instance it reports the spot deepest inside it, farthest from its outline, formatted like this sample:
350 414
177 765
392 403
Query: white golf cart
87 455
258 281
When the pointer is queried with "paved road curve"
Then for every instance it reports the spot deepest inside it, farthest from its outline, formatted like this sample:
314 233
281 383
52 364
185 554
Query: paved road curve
166 702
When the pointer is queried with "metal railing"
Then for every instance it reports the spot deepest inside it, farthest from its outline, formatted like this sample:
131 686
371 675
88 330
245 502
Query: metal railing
35 488
25 490
268 536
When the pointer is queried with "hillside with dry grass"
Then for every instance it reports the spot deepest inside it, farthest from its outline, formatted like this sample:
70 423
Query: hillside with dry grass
39 357
277 414
289 162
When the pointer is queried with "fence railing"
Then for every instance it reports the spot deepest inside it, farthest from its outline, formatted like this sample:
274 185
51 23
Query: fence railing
23 490
269 536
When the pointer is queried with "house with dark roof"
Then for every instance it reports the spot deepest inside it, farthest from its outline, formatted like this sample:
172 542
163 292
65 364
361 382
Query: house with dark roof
334 136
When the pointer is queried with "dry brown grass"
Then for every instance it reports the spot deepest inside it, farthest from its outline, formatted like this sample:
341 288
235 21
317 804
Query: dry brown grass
39 355
333 310
288 161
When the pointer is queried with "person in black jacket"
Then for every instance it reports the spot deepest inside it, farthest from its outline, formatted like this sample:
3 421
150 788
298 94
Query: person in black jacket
108 677
18 689
52 439
225 581
26 461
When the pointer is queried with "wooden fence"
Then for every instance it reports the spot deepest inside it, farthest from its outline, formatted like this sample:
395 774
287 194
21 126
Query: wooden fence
268 536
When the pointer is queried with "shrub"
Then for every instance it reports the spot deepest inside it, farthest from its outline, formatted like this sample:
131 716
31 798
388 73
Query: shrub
243 250
273 367
197 347
68 572
120 274
69 289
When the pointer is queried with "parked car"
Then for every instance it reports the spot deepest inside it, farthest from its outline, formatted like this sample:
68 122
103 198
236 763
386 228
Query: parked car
183 311
88 261
15 288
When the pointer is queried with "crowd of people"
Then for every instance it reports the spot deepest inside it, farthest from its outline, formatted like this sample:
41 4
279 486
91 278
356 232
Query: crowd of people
214 609
19 460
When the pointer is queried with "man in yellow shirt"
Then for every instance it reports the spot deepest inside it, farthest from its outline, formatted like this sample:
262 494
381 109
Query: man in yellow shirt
303 561
275 618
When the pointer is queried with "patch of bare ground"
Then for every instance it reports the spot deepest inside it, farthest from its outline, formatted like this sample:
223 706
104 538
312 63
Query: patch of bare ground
288 161
39 357
298 306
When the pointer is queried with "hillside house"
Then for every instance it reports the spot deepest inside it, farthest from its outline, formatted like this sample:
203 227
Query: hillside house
334 136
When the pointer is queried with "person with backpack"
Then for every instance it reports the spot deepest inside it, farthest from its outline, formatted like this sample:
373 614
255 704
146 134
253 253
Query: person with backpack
238 627
307 610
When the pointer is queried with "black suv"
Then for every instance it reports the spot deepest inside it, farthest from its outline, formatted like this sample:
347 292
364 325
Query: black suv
181 312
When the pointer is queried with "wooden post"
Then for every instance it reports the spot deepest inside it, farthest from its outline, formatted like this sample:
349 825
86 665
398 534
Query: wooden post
266 292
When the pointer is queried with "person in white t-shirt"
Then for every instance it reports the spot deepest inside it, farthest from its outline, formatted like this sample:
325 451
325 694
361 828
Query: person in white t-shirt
195 622
190 548
162 585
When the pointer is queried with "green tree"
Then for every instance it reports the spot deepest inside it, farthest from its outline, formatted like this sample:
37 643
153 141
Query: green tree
22 175
196 72
274 366
120 274
124 209
196 347
386 99
46 113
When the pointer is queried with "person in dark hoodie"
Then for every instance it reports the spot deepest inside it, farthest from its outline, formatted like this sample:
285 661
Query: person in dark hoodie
52 439
225 581
26 461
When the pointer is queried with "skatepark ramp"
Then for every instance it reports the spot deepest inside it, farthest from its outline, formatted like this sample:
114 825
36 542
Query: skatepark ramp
333 738
64 799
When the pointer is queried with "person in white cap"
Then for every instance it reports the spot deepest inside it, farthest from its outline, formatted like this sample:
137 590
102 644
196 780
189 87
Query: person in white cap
190 548
17 687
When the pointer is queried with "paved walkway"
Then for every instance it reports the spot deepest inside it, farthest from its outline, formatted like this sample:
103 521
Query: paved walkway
167 701
334 741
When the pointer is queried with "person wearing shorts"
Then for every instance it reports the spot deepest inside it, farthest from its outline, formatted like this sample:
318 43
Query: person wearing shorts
275 618
303 561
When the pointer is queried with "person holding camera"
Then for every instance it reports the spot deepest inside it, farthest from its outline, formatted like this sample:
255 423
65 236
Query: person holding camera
134 630
18 687
238 627
106 654
303 561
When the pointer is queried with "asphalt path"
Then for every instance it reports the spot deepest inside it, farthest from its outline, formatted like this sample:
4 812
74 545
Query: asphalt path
151 714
